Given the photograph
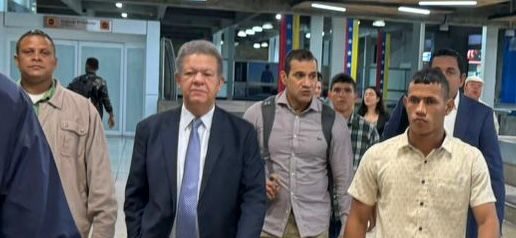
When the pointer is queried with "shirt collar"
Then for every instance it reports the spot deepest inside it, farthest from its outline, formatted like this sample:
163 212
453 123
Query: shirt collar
187 117
456 101
47 95
446 145
315 104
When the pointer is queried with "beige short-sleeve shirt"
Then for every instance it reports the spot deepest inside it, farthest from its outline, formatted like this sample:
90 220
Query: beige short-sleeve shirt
420 196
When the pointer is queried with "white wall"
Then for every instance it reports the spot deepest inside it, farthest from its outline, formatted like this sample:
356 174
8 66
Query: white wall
147 33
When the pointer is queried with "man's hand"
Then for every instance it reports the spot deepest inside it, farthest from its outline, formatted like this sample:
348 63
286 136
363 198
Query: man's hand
272 186
372 220
111 121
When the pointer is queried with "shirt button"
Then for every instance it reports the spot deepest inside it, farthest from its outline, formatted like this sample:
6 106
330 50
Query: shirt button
423 181
292 193
420 228
293 174
426 161
421 203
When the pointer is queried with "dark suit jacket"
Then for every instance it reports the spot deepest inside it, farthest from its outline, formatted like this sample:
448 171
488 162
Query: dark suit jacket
474 125
232 200
32 199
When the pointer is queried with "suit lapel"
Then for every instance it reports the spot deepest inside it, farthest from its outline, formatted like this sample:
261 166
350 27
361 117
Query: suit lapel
462 120
215 145
168 137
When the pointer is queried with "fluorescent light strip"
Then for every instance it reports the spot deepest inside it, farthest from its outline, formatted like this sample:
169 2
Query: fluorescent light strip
414 10
328 7
447 3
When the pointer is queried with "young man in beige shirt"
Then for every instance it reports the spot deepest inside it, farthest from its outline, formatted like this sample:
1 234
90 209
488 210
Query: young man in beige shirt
423 181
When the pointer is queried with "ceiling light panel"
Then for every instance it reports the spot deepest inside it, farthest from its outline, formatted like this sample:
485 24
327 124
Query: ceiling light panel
447 3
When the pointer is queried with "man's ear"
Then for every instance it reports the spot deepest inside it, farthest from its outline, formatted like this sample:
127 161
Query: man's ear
405 101
450 105
178 79
462 80
283 77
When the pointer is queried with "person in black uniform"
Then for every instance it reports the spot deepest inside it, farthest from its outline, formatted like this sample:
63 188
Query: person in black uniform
94 87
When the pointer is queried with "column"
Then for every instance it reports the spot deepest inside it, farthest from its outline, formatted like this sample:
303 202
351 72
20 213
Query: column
273 49
217 40
316 37
152 45
228 49
488 70
417 48
338 45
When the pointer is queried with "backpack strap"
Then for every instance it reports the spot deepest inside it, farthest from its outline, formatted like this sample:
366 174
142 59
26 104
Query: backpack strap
327 120
268 111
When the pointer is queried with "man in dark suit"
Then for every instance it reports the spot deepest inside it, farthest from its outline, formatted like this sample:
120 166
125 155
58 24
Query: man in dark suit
196 170
470 121
32 201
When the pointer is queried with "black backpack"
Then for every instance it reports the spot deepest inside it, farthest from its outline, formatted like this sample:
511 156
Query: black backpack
84 85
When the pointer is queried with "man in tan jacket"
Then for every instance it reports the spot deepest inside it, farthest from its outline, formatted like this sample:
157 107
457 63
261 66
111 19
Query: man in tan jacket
74 131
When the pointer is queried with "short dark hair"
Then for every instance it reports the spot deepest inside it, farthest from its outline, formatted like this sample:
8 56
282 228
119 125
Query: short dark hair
343 78
92 63
452 53
35 32
432 76
299 55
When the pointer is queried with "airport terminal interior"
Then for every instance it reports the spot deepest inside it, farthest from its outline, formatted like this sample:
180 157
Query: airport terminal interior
380 43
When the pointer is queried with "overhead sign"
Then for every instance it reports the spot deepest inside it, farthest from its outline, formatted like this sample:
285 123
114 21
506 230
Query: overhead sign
76 23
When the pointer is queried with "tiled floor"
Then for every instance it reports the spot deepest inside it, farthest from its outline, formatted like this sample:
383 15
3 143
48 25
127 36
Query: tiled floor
120 150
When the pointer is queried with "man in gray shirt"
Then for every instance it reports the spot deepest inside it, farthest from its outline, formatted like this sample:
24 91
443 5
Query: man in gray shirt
298 161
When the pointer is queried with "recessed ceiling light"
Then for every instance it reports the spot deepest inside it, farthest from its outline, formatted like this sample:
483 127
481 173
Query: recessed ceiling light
257 29
241 33
447 3
256 45
124 14
267 26
379 23
307 35
249 32
278 16
264 45
221 42
414 10
328 7
119 5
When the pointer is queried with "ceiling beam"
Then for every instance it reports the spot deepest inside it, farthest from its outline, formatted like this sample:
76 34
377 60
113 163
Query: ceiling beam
160 12
265 6
75 5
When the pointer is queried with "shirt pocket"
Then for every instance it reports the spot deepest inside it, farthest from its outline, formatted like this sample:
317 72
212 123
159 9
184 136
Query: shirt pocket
73 134
451 194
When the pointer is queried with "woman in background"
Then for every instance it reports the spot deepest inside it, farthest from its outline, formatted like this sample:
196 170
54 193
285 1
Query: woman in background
373 110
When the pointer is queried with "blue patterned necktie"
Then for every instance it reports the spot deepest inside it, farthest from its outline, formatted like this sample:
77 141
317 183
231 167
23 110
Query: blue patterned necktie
187 204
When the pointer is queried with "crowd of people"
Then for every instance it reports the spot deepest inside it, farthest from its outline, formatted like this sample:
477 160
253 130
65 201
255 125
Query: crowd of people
294 166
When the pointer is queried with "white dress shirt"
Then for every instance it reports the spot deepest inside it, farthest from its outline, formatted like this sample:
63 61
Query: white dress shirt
185 126
449 120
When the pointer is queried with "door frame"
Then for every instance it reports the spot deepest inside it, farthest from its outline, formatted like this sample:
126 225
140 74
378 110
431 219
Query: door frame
119 118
